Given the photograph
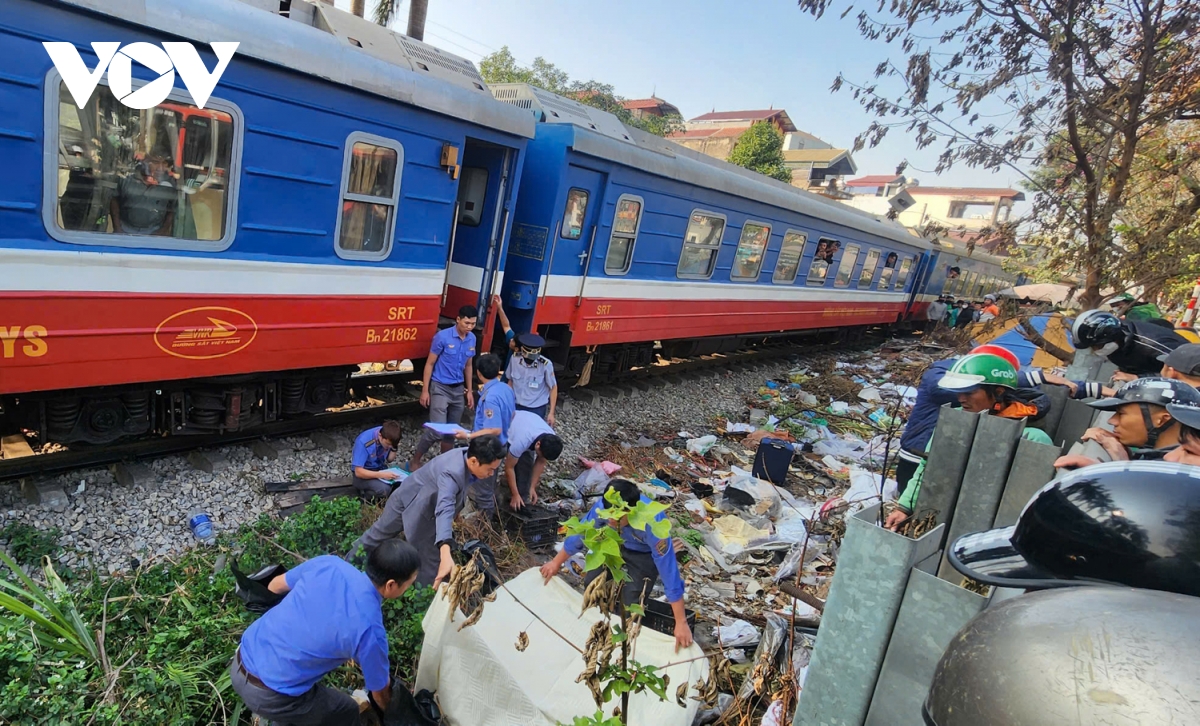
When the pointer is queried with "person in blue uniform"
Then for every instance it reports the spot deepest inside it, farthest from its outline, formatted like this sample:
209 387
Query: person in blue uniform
647 559
493 416
531 444
373 450
510 335
531 376
424 506
331 614
446 381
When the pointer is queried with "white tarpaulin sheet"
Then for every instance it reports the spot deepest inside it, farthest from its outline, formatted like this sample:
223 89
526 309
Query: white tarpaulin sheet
481 679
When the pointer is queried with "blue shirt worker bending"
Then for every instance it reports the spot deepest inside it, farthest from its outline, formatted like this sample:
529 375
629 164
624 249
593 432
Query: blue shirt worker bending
531 376
424 506
331 614
531 443
493 416
445 385
373 450
647 559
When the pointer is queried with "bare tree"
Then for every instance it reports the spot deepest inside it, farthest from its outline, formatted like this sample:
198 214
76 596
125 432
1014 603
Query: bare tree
1066 92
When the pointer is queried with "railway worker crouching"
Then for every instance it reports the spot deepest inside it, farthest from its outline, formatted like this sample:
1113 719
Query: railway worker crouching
531 376
1143 429
373 450
493 416
446 384
331 614
424 506
983 383
531 443
647 559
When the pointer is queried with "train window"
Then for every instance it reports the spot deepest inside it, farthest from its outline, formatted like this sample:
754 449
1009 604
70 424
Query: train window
905 268
846 267
790 253
867 275
822 259
370 193
574 214
626 223
163 177
752 247
889 269
472 195
701 242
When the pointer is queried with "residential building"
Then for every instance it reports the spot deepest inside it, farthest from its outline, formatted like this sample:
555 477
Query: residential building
959 209
653 106
815 164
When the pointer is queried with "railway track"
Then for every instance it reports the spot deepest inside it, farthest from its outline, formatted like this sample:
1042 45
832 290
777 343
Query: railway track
38 465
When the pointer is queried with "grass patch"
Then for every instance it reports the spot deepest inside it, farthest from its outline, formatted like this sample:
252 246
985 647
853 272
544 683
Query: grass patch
168 631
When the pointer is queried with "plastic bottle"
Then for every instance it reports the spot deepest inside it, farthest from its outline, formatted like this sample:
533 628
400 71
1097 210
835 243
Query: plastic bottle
202 527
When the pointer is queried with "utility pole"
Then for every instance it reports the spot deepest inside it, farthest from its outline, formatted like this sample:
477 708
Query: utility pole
416 18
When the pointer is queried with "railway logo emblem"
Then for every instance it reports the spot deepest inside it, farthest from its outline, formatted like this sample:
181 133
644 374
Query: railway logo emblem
118 61
204 333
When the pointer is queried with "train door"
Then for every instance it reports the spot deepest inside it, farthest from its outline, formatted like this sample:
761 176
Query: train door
480 220
586 231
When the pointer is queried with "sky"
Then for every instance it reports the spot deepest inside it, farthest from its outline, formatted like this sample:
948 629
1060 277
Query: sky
700 55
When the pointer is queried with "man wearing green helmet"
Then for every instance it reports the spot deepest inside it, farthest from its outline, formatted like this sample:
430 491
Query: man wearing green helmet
1128 307
984 383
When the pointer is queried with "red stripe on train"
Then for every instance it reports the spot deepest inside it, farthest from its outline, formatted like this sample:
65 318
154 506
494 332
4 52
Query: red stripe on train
52 341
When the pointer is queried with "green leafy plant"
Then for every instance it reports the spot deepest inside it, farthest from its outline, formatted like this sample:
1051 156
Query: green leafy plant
47 615
624 676
28 544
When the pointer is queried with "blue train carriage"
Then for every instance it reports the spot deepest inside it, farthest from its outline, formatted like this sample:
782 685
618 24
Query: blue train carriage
969 274
191 269
623 241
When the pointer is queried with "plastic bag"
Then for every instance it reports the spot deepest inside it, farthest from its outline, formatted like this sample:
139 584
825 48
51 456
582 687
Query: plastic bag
864 485
774 715
252 589
735 633
870 393
790 527
607 467
774 635
701 445
841 448
748 495
731 535
791 561
591 482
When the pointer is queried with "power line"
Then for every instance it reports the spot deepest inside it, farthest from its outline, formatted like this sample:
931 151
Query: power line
457 45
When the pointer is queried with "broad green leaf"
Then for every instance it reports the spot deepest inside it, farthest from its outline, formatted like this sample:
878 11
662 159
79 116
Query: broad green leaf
661 528
644 514
593 560
636 609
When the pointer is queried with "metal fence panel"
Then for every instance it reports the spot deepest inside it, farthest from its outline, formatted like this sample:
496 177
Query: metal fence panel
872 574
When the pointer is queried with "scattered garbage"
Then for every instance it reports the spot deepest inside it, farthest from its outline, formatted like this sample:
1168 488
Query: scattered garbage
202 527
735 633
700 446
738 428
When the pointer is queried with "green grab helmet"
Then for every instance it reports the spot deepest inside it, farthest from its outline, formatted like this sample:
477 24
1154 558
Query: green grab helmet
979 369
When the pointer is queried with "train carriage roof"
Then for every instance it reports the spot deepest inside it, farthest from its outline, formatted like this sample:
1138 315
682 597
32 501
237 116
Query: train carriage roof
326 43
601 134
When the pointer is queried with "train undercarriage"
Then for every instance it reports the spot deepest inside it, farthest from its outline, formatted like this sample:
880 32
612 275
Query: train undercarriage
200 406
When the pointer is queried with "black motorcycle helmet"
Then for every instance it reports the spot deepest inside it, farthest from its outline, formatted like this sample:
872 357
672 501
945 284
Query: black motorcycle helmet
1128 523
1078 656
1151 391
1095 328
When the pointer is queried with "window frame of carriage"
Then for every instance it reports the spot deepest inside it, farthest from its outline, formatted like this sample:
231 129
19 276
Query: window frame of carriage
903 272
343 196
775 279
613 234
762 258
865 280
842 262
808 281
51 98
716 250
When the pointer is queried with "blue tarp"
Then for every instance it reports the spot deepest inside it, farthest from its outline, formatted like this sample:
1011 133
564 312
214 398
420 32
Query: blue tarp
1023 349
